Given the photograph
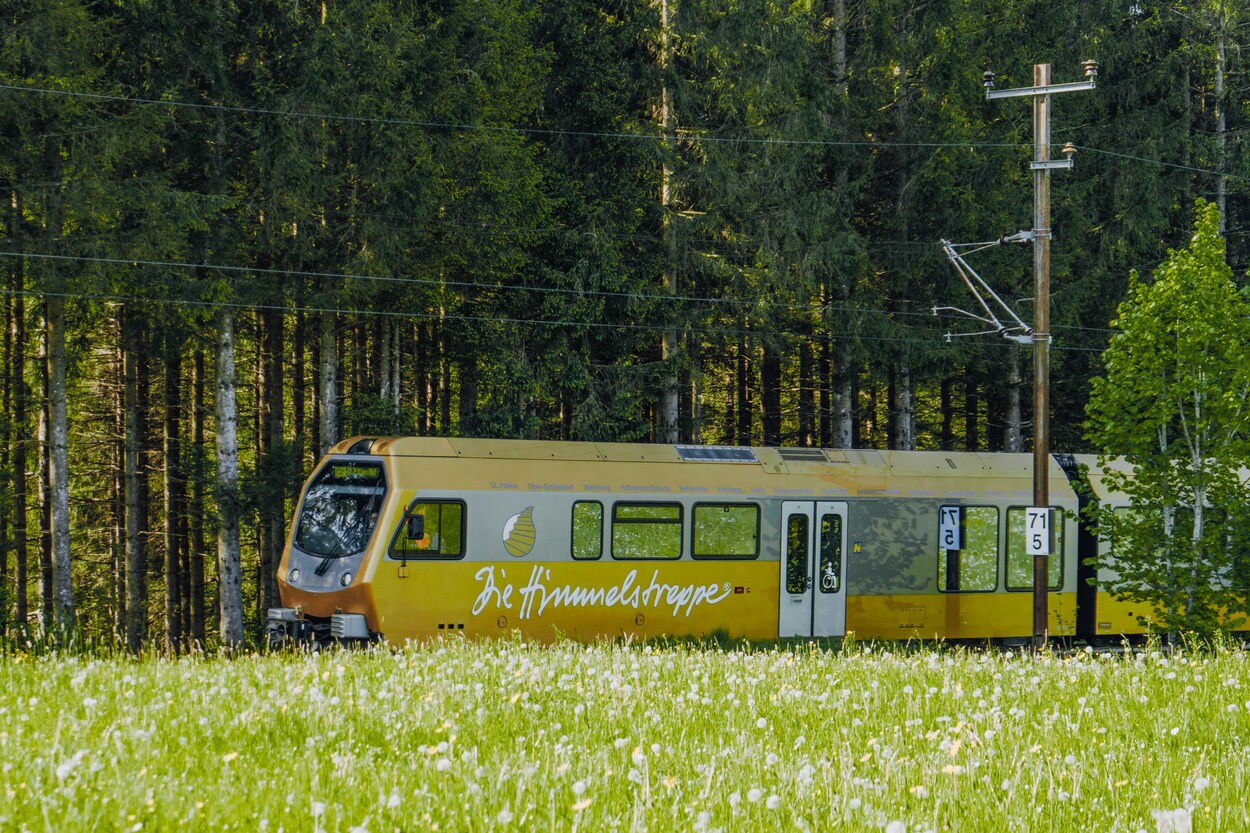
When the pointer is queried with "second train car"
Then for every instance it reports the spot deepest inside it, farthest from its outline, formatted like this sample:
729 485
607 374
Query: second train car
401 538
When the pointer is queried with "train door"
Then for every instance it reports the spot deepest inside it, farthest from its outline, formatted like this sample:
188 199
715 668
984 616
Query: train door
813 569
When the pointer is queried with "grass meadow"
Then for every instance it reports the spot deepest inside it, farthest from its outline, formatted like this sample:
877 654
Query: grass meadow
474 736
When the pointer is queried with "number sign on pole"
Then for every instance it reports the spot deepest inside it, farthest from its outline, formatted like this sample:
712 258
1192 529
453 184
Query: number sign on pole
1039 530
950 530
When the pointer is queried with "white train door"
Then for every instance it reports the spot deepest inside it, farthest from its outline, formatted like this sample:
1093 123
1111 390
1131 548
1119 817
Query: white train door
813 569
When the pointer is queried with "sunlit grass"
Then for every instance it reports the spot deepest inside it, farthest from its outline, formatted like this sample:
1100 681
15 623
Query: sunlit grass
505 735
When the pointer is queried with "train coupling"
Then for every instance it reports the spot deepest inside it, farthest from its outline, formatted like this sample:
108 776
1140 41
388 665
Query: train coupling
286 626
289 627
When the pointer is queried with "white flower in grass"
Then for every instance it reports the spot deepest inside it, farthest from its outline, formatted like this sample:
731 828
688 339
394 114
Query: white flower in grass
620 743
896 826
770 759
318 809
442 765
854 804
393 801
1173 821
1201 783
579 787
772 802
503 816
637 757
761 724
1070 760
735 798
754 794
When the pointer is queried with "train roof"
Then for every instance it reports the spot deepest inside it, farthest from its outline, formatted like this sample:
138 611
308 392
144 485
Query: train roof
845 471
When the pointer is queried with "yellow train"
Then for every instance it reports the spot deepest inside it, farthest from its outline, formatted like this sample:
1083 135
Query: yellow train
402 538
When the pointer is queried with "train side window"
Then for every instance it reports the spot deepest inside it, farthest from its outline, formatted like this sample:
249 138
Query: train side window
646 531
587 530
796 554
973 568
726 530
830 566
439 535
1020 563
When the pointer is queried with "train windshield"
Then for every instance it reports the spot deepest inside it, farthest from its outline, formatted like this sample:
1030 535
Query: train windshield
341 509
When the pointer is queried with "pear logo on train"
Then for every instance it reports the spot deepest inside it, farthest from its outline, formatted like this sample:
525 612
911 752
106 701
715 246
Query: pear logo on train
519 534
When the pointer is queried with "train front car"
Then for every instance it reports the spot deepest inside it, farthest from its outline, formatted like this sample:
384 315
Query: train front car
321 576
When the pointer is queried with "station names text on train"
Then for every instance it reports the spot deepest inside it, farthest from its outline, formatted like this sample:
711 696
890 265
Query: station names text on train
537 594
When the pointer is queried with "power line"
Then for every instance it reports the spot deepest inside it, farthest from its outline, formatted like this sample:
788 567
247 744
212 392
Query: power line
442 284
828 336
540 131
687 135
1188 168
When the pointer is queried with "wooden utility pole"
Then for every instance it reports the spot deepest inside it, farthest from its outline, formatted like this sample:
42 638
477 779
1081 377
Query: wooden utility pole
1042 165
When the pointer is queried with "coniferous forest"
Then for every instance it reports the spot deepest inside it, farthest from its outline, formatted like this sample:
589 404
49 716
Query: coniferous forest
235 233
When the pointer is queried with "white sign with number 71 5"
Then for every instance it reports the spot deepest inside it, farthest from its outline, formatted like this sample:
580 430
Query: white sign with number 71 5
950 531
1037 530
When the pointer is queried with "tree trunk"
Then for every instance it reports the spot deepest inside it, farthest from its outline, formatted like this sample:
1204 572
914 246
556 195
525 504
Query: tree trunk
195 507
21 442
229 567
770 384
384 357
298 385
843 396
329 380
6 407
1221 119
972 410
174 509
46 587
843 383
468 390
272 435
119 481
807 397
946 439
136 560
1013 431
903 407
743 406
669 416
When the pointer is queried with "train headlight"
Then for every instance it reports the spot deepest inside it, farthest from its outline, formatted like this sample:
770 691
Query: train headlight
292 575
346 578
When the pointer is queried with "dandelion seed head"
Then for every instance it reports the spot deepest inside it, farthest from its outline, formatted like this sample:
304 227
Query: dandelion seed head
772 802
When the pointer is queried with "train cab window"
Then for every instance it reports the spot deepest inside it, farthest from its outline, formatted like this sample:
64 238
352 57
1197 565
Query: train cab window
830 566
646 531
972 567
797 554
340 509
587 530
726 530
430 529
1020 563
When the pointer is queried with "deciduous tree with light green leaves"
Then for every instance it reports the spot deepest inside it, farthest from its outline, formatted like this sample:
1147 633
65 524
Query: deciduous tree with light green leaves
1173 403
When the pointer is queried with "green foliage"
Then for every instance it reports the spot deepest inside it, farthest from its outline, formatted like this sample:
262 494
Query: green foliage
371 415
1173 404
